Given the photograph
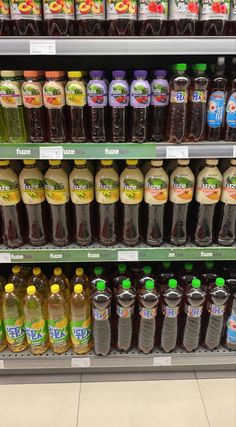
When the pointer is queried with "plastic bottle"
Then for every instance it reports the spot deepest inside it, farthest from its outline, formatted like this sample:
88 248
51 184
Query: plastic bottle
3 342
131 196
197 105
3 133
216 102
58 323
97 103
33 196
12 104
152 18
81 183
230 125
218 295
120 274
54 101
76 107
59 278
2 287
125 302
166 273
160 97
107 197
80 321
59 18
177 119
183 18
180 196
13 320
144 275
208 274
101 301
231 24
187 275
80 278
10 207
155 196
32 94
231 327
213 17
40 281
227 226
118 102
58 195
5 17
35 321
140 92
90 18
26 18
194 300
121 18
171 301
148 300
208 189
98 275
18 280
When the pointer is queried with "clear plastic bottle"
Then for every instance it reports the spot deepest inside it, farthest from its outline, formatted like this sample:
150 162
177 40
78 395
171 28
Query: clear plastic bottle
40 281
101 301
187 275
227 224
90 18
213 17
18 280
26 18
230 125
98 275
13 319
3 342
118 102
121 18
152 18
59 18
59 278
120 274
5 19
160 97
35 321
144 275
125 303
148 301
97 103
80 278
140 92
183 18
76 100
231 24
208 273
58 323
231 327
166 273
80 321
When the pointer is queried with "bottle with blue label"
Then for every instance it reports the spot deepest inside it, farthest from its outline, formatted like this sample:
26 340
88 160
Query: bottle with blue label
160 96
58 323
13 319
139 100
118 102
97 103
231 327
230 131
148 301
216 103
80 320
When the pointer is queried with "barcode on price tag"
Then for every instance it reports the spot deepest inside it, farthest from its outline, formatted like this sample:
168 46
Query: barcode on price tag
80 362
162 361
127 255
42 47
47 153
1 364
5 257
234 151
177 152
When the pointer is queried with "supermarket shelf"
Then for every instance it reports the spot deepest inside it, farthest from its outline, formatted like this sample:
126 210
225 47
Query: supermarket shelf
118 46
97 253
68 151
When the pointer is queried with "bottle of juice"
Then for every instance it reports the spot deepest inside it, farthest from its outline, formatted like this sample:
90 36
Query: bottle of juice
59 18
121 18
186 275
54 101
59 278
107 197
155 197
183 17
160 97
97 103
26 18
80 278
5 17
152 18
230 126
13 319
125 303
58 195
12 104
140 92
208 273
180 196
208 190
227 226
148 301
177 120
58 323
3 133
35 321
197 104
90 18
80 321
3 342
101 301
10 207
131 196
213 17
76 107
33 197
231 24
81 183
40 281
118 102
166 273
32 94
18 280
216 102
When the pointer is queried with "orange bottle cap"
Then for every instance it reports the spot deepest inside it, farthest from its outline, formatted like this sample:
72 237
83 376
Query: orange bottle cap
32 73
53 73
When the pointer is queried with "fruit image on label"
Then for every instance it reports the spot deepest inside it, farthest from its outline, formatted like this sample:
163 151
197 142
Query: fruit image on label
75 94
15 333
100 314
26 9
156 191
215 9
124 312
53 95
215 109
90 9
56 192
80 331
193 311
32 94
160 93
171 311
231 111
119 94
198 96
107 190
36 332
5 10
231 329
10 94
9 192
208 190
216 310
149 9
147 313
181 189
82 191
179 97
140 95
125 9
131 191
97 94
179 9
58 9
58 331
32 191
228 194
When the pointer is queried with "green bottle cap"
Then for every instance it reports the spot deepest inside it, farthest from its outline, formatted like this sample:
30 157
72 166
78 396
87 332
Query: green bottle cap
220 281
209 264
166 264
172 283
147 269
149 285
126 284
100 285
196 283
181 67
98 270
200 67
122 268
188 266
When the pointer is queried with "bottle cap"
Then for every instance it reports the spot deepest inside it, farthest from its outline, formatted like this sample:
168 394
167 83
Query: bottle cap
79 271
8 73
55 74
76 74
126 284
200 67
147 269
16 269
209 264
29 162
140 73
98 270
4 162
55 289
122 268
96 74
220 282
196 283
78 289
172 283
80 162
212 162
55 162
181 67
118 74
166 264
31 290
100 285
32 73
9 287
188 266
149 285
36 271
57 271
156 163
233 162
183 162
131 162
106 162
160 73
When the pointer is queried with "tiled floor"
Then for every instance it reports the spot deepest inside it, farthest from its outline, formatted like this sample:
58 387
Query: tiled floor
196 400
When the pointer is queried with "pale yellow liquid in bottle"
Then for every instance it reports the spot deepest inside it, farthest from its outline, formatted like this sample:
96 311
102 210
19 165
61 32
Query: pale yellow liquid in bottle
40 281
80 321
3 342
80 278
58 323
59 278
13 320
18 280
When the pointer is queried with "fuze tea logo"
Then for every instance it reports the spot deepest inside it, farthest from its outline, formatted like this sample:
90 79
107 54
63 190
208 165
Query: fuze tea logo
83 189
55 191
157 188
34 188
107 190
228 194
211 187
140 94
131 191
181 188
9 192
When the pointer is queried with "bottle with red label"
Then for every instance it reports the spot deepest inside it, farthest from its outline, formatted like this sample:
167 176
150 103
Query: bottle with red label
140 92
231 24
97 103
59 17
121 17
160 97
5 19
26 17
230 121
152 17
90 17
214 15
183 17
227 228
177 119
118 102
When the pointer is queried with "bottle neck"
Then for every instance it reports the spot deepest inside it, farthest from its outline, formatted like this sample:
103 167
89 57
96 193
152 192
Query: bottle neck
80 166
30 166
55 166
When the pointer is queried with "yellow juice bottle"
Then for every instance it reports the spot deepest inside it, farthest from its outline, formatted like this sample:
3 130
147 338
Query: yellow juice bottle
80 320
58 324
59 278
13 319
80 278
3 342
40 281
18 280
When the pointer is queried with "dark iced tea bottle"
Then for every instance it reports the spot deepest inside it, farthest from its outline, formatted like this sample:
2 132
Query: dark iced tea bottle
152 18
26 17
140 92
5 19
90 17
160 97
97 103
213 17
118 102
121 17
59 17
76 107
231 24
227 225
230 125
183 17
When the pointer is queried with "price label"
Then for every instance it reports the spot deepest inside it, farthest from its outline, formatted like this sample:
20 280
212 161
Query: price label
42 47
161 361
1 364
177 152
51 153
127 255
234 151
80 362
5 257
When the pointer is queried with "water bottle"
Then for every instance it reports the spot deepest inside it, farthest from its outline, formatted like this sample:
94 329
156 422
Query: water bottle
171 297
148 301
125 302
101 301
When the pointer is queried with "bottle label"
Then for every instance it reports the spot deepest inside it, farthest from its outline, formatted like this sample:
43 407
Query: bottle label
181 188
156 189
124 312
81 191
97 94
26 9
233 10
126 9
147 313
58 9
100 314
213 9
228 194
9 192
53 95
160 93
179 9
57 193
5 10
2 331
10 94
32 191
198 96
36 332
231 111
75 94
215 109
119 94
15 332
80 331
179 97
149 9
140 93
131 191
107 190
216 310
58 331
32 94
89 9
208 189
193 311
231 329
170 311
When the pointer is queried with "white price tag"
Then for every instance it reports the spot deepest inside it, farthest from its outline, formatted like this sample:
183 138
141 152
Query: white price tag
1 364
161 360
50 153
80 362
127 255
5 257
180 152
234 151
42 47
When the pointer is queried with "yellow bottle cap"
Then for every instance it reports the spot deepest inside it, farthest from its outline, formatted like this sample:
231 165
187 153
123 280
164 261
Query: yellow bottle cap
9 287
31 290
79 271
55 162
80 162
55 289
8 73
212 162
77 74
36 271
57 271
29 162
184 162
4 162
106 162
16 269
78 289
131 162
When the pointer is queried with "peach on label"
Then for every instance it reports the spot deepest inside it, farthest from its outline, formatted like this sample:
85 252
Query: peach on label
55 7
84 8
67 9
25 8
132 9
95 9
121 7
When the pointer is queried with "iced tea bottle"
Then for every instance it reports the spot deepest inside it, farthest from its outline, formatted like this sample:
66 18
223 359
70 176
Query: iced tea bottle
40 281
208 273
3 342
183 17
166 273
3 133
140 92
5 19
98 275
54 101
59 278
148 298
186 275
80 321
160 97
118 102
59 17
231 24
213 17
90 18
58 323
13 319
152 18
227 224
80 277
125 304
121 18
230 125
26 18
97 103
18 280
76 107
